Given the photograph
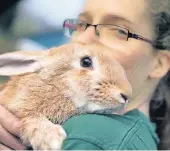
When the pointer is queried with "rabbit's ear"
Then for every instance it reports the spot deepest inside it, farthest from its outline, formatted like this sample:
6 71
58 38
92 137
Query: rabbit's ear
17 63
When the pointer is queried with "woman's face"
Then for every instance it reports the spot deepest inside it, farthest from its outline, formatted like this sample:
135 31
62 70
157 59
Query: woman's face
135 55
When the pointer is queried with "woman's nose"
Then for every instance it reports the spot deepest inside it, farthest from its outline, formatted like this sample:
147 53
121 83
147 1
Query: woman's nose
87 37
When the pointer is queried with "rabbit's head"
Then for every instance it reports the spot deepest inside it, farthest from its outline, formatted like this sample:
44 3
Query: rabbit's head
91 78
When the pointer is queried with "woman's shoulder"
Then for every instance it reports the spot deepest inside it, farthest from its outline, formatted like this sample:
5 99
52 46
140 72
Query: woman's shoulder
109 131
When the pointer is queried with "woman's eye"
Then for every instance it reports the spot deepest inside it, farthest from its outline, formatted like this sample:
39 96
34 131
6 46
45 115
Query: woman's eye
80 25
86 62
118 31
122 32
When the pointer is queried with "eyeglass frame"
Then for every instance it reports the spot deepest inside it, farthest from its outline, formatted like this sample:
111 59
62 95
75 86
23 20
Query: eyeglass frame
129 34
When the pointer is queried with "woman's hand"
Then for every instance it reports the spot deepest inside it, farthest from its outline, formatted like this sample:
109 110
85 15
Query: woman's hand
9 131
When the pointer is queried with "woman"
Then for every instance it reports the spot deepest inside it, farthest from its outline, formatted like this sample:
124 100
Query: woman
138 34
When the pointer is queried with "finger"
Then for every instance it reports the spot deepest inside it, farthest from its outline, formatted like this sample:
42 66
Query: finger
9 121
3 147
9 140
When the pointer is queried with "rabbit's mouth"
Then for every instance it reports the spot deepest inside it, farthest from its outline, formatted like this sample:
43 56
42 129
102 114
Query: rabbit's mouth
94 108
101 108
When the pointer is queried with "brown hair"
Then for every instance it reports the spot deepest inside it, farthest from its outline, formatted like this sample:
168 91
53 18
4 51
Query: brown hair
160 102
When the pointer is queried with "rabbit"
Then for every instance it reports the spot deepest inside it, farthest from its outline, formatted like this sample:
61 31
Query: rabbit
47 87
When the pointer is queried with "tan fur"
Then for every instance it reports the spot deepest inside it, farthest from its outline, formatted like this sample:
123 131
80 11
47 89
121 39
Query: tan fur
53 93
2 85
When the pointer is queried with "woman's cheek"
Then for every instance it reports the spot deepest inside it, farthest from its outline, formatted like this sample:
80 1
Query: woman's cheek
126 55
131 60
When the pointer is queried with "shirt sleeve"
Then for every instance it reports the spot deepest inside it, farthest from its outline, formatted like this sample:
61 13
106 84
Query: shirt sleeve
142 140
100 132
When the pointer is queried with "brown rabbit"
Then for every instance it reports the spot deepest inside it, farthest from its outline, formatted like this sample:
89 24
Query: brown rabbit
47 87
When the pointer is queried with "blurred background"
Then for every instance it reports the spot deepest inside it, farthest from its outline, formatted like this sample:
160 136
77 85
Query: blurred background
34 24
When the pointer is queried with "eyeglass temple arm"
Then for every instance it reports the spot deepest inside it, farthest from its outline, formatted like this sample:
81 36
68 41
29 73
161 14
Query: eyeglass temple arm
131 35
156 45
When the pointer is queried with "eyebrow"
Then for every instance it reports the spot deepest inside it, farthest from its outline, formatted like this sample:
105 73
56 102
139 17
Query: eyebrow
108 18
86 15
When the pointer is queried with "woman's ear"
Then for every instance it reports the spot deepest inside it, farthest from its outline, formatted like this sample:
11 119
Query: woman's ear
161 64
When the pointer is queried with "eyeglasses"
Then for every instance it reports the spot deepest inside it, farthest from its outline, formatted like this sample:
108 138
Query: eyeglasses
107 32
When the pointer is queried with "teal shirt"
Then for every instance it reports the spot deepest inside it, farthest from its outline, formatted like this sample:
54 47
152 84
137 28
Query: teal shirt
132 131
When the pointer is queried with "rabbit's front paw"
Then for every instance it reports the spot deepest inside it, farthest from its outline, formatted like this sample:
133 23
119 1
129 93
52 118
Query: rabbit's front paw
49 138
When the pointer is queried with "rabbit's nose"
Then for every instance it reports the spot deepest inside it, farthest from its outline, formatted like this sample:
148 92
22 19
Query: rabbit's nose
124 96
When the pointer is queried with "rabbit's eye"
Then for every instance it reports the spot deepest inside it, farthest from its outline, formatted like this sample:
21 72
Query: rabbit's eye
86 62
